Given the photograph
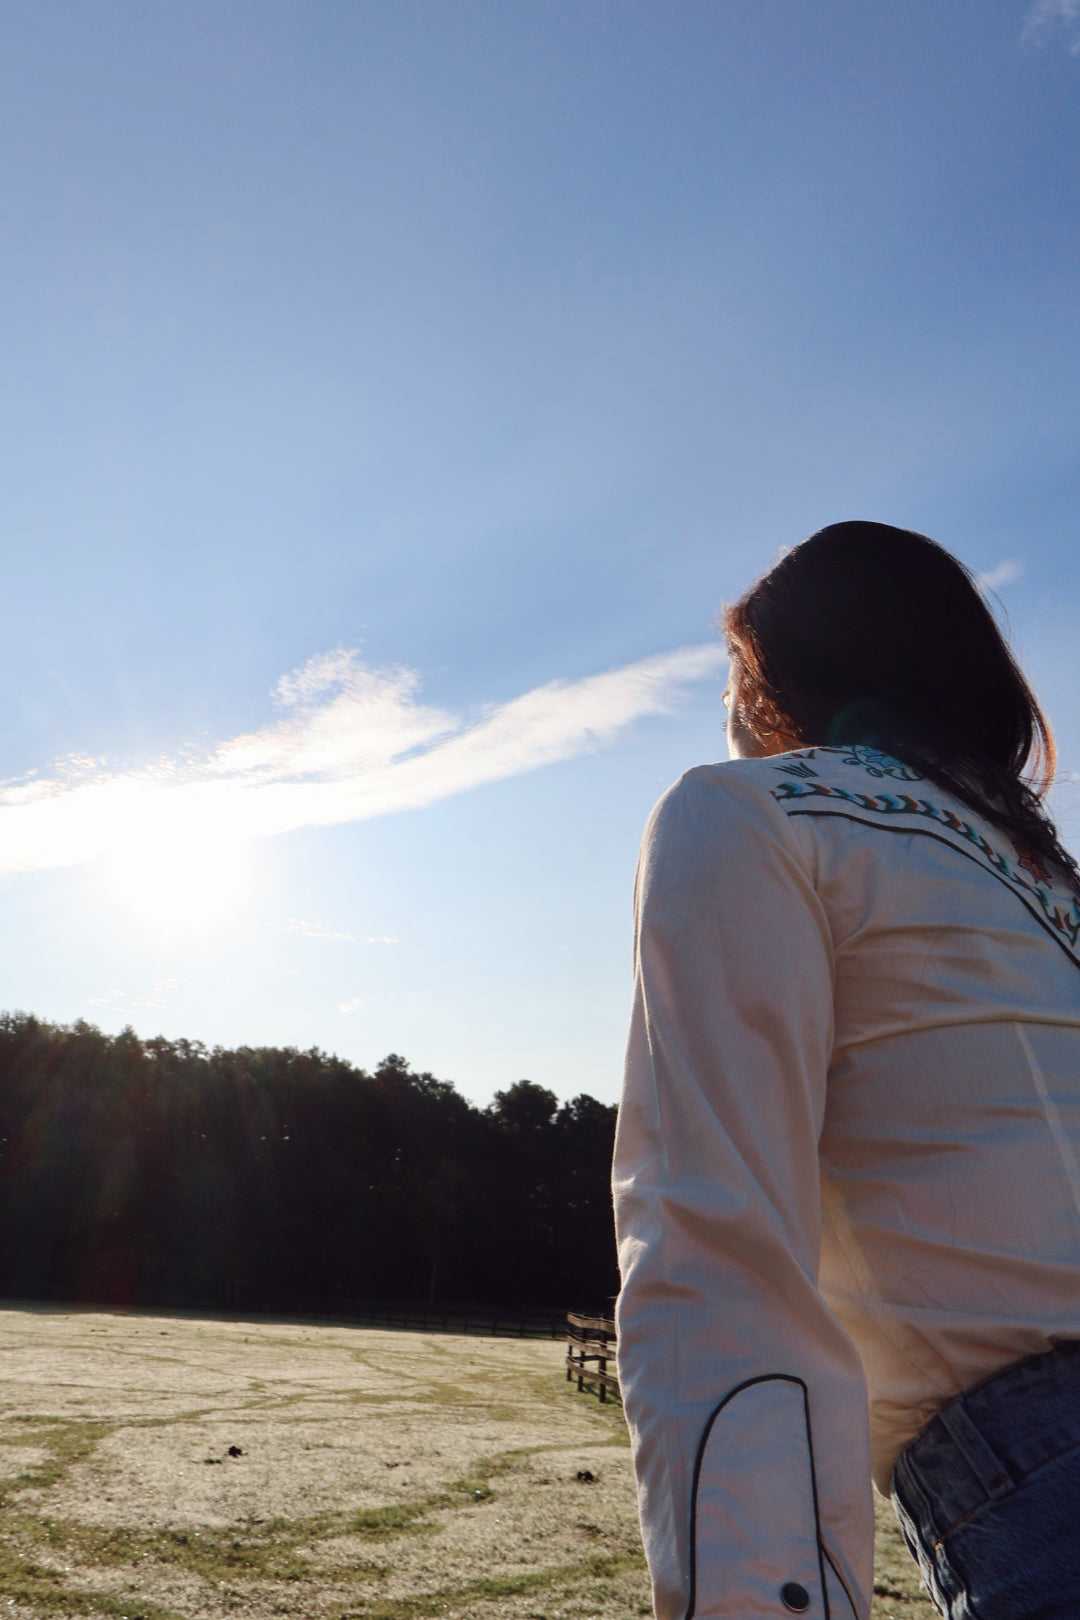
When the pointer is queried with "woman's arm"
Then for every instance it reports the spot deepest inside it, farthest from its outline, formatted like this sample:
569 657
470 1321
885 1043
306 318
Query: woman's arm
745 1397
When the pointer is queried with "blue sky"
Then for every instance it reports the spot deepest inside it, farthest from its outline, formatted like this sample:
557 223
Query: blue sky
392 393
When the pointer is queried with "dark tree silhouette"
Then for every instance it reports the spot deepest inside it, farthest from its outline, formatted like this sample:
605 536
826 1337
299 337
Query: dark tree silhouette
162 1173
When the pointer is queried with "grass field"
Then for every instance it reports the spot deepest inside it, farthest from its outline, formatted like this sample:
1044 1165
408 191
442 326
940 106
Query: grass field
182 1470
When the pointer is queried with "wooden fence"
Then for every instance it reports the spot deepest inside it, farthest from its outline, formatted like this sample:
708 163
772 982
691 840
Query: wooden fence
490 1321
589 1339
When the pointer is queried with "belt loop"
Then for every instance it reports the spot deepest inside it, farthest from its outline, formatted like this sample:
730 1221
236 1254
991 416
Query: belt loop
983 1461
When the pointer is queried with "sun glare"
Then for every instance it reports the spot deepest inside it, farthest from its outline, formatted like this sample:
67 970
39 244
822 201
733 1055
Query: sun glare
188 881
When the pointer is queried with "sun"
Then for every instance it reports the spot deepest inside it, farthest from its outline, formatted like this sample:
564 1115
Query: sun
186 882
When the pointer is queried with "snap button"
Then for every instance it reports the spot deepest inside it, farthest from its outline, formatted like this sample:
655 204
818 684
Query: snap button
795 1597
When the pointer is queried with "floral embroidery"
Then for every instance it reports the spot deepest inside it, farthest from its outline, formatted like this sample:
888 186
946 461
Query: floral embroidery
1027 875
877 763
1031 863
872 760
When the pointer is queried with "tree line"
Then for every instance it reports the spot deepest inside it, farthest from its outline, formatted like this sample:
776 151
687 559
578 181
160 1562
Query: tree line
161 1173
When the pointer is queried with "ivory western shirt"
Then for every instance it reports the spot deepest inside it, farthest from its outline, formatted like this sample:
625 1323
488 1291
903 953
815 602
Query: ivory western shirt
846 1170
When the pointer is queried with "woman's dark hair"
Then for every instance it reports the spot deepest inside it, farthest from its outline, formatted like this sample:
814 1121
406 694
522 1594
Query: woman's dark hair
875 635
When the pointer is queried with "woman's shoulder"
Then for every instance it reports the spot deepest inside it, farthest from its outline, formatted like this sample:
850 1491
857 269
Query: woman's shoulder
855 784
781 781
779 797
719 787
725 805
720 842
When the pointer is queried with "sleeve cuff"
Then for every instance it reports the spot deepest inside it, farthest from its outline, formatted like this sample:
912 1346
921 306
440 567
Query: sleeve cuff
755 1540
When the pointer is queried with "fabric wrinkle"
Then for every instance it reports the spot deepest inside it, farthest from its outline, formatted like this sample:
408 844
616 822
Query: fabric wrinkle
1053 1117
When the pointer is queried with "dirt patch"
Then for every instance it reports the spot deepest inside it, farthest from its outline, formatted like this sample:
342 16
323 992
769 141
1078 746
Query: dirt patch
164 1469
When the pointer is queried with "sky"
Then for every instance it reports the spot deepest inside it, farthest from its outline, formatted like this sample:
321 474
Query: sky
392 394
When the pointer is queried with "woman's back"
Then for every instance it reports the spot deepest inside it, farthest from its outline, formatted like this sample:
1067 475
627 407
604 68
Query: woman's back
852 1102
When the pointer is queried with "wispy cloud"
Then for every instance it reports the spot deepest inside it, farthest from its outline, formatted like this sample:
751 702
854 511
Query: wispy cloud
315 930
1050 19
121 1001
1003 573
319 931
350 742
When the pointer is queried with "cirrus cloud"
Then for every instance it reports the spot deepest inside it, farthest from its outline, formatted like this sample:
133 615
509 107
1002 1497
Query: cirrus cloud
1054 18
1003 573
350 742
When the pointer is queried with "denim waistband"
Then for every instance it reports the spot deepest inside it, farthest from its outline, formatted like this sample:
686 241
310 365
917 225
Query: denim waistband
983 1443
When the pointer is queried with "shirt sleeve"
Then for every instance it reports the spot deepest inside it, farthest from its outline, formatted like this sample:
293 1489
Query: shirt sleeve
744 1395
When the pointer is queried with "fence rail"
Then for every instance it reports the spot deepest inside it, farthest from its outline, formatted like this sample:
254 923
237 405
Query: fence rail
588 1339
490 1321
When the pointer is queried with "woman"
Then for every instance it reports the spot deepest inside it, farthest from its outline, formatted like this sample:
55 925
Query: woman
846 1172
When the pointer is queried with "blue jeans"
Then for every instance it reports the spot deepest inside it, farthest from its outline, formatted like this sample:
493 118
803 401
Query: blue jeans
988 1494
